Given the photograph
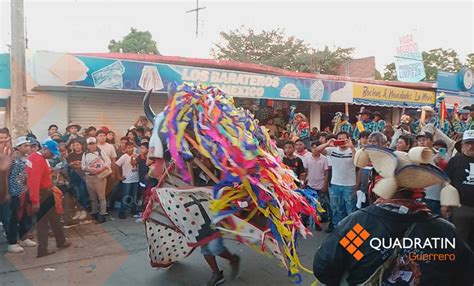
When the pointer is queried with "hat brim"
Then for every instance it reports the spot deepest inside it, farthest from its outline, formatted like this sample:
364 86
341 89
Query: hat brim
420 176
384 160
74 125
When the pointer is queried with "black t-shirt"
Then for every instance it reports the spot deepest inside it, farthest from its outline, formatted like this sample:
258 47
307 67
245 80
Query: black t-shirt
295 164
461 172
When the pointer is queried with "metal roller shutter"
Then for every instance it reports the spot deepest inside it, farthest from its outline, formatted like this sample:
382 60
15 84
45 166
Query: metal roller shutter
116 111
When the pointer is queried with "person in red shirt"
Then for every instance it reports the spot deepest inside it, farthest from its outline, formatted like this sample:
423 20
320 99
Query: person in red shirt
40 189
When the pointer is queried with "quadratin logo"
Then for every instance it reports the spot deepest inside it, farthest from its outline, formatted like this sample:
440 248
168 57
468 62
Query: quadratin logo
353 239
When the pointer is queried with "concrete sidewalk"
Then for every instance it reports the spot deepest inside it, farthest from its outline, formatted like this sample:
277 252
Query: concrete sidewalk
115 253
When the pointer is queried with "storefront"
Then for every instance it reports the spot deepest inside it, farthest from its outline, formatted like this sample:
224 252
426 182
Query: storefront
107 89
458 88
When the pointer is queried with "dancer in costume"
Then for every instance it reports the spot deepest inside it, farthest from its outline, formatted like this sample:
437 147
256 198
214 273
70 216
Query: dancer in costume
255 201
353 255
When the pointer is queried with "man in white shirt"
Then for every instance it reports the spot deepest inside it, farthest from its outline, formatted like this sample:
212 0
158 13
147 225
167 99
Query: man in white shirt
343 179
128 164
108 149
94 162
302 153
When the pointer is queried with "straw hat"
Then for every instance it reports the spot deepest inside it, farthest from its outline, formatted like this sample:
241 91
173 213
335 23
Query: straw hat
449 196
421 155
301 115
386 188
420 176
404 170
361 159
403 158
383 160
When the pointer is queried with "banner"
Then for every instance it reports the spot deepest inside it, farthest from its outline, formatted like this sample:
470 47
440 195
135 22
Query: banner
139 76
392 96
409 61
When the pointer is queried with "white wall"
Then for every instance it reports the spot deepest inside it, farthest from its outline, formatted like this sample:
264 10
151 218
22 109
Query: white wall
315 115
46 108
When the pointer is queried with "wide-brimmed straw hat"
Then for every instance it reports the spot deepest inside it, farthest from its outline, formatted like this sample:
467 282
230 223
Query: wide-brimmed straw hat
383 160
420 176
73 125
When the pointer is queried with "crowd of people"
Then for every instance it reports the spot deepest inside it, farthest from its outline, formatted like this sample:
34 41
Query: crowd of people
328 168
97 173
69 179
327 165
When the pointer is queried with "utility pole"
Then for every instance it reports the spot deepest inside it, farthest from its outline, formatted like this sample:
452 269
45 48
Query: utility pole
197 16
18 100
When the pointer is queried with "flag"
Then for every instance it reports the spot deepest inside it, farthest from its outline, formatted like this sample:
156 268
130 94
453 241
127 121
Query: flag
442 113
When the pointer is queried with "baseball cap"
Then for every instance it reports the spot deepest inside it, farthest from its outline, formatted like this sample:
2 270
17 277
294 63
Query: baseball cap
91 140
468 136
20 141
52 146
425 134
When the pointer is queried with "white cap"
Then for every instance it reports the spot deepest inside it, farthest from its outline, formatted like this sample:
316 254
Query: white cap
20 141
91 140
468 135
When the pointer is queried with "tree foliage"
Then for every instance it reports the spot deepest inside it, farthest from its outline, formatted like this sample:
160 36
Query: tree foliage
274 48
139 42
435 60
470 61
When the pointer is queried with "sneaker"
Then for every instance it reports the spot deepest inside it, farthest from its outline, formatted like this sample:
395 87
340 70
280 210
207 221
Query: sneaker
82 215
235 267
15 248
76 215
100 219
64 245
27 243
122 215
216 279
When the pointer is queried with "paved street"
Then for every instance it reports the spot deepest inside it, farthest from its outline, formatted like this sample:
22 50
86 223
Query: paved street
115 253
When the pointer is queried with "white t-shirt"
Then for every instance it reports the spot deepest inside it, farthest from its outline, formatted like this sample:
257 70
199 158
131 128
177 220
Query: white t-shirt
307 155
316 169
108 149
128 171
343 169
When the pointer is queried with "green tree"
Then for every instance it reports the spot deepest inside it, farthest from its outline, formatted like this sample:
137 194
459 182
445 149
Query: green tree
470 61
139 42
433 61
274 48
390 72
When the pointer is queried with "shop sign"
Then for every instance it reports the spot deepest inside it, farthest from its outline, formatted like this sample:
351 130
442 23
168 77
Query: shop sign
409 60
392 95
139 76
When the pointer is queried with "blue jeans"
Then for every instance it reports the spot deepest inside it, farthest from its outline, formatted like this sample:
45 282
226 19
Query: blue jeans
5 216
80 189
341 202
214 247
129 197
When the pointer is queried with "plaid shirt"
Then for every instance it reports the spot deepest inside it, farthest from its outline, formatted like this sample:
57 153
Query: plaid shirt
346 126
370 126
381 125
460 126
434 120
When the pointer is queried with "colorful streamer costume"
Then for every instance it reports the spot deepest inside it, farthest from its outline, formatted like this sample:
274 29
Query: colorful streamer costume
255 201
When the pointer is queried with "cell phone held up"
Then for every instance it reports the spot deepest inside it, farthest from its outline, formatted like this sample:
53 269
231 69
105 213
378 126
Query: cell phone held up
339 142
